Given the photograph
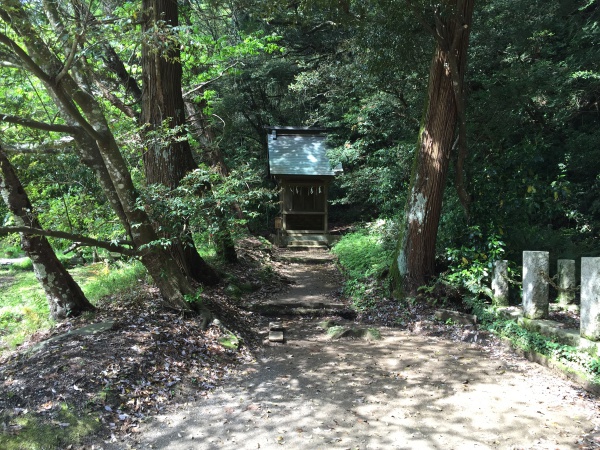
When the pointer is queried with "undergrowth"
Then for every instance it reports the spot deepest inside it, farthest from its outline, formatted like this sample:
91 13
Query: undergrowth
364 256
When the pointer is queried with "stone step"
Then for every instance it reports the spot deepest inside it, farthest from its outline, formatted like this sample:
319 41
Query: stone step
303 309
307 245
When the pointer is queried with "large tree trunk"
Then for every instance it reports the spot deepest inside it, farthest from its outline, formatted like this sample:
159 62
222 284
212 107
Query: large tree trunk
414 263
65 297
167 159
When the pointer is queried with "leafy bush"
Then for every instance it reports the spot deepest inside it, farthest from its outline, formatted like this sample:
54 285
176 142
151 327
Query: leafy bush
208 204
9 249
470 267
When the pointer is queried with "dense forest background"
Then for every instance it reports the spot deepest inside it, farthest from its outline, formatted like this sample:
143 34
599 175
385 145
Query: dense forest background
532 87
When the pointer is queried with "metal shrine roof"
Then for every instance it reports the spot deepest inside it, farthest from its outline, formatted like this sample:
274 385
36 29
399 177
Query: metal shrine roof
299 151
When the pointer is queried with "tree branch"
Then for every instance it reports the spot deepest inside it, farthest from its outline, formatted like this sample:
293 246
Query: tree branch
206 83
63 145
9 65
420 18
82 240
321 26
112 98
28 123
23 56
69 62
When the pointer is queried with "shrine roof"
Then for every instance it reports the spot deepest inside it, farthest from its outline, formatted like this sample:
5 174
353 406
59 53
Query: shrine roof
299 151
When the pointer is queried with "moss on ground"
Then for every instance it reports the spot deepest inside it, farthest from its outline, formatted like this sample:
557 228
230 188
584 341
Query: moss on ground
29 431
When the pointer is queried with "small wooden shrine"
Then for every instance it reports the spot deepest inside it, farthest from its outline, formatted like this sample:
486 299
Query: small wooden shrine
298 161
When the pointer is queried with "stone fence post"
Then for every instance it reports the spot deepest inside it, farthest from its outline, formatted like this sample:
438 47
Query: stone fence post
500 283
590 299
566 281
536 268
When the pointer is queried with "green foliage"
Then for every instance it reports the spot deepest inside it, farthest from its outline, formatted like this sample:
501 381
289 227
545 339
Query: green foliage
364 256
8 249
206 202
23 307
25 264
230 341
375 157
534 157
66 197
101 279
194 299
470 267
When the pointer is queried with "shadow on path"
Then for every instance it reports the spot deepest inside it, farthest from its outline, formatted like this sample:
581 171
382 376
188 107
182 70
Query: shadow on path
404 392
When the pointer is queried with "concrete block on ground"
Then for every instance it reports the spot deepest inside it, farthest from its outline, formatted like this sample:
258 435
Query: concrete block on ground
275 336
536 273
590 299
566 281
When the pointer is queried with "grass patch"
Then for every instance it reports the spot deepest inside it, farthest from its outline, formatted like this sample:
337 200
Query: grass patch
101 279
24 308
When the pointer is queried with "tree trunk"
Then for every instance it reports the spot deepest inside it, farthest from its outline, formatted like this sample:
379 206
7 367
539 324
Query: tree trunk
167 159
214 157
65 297
78 106
414 263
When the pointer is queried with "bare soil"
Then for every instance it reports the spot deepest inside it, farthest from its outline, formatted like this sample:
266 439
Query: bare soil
156 380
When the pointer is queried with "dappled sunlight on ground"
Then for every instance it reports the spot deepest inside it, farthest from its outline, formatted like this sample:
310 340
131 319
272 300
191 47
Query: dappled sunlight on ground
403 392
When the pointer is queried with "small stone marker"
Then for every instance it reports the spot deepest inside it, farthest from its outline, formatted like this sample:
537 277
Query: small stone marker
275 336
536 268
590 299
276 331
500 283
566 281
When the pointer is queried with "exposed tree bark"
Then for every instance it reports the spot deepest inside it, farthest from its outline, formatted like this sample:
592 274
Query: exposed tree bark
415 256
167 159
65 297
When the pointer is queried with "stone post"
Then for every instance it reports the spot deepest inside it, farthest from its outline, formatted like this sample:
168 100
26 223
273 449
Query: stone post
536 268
566 281
590 299
500 283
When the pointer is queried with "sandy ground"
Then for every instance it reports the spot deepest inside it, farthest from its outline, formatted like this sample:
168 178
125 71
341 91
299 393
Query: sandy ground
406 391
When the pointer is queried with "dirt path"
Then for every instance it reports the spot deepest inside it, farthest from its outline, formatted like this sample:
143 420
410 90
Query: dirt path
406 391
